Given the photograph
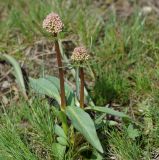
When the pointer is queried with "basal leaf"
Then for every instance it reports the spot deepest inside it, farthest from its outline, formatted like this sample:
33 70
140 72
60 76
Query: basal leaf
84 124
68 89
108 111
56 81
62 141
59 131
17 70
45 87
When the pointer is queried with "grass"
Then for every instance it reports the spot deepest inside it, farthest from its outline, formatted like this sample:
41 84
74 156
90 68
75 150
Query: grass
126 75
27 129
145 145
124 148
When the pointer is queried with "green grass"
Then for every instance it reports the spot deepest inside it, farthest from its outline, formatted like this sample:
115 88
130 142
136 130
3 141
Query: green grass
126 74
145 145
27 129
122 147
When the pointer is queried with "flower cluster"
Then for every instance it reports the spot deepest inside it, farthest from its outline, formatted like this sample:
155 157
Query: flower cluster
79 54
52 23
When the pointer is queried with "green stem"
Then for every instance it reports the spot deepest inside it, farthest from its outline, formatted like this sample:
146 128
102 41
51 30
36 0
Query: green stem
63 119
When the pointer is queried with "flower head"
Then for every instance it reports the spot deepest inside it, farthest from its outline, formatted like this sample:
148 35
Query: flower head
80 54
52 23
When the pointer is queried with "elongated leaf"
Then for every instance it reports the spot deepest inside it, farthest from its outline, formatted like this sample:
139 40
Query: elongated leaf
17 70
62 117
68 89
59 131
56 81
108 111
84 124
45 87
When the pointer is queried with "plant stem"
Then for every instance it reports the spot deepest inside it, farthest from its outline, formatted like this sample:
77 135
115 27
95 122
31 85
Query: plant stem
82 88
63 119
77 82
61 74
62 86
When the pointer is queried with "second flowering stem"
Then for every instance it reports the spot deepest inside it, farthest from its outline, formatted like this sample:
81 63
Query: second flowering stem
77 82
79 56
81 87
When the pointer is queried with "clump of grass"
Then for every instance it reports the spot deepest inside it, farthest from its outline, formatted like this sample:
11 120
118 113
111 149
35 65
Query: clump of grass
27 131
12 147
122 147
111 87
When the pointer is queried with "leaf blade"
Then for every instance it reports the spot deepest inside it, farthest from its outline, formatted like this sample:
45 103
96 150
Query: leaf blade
45 87
17 69
108 111
84 124
59 131
58 151
68 89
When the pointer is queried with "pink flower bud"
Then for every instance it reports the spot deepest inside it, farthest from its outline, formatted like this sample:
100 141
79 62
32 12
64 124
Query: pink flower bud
80 54
52 23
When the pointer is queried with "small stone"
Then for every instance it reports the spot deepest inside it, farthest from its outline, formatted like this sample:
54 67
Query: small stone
146 10
5 85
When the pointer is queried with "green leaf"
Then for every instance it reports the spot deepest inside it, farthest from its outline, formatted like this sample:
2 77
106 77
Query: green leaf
59 131
17 70
132 133
84 124
62 141
108 111
112 123
68 89
45 87
58 151
63 119
56 82
99 122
